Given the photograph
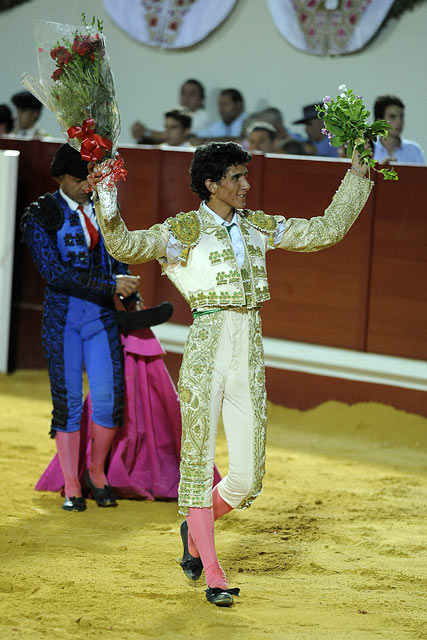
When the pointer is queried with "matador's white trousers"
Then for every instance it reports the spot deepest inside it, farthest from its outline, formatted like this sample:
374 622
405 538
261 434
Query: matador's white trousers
223 370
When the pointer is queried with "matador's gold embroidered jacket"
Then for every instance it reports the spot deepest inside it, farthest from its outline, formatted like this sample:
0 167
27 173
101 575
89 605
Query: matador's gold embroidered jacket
207 274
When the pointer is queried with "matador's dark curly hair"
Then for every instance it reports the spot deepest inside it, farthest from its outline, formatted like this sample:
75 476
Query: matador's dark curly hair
212 160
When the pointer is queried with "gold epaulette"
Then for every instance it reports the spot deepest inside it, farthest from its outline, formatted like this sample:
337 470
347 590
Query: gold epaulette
262 222
186 228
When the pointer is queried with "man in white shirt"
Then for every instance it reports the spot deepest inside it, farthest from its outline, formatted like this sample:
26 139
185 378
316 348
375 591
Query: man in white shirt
232 111
28 110
394 148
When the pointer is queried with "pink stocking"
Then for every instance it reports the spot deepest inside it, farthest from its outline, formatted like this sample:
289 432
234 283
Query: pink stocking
220 508
201 526
101 440
68 446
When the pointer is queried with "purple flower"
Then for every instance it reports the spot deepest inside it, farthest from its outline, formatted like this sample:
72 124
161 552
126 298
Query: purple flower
330 135
359 97
327 99
325 132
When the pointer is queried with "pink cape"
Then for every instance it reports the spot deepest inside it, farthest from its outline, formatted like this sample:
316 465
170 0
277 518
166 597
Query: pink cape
144 459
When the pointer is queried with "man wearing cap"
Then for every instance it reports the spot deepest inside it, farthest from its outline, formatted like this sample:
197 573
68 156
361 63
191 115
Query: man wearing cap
318 144
28 110
79 325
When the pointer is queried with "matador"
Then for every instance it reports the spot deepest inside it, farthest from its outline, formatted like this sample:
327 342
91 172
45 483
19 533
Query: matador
216 259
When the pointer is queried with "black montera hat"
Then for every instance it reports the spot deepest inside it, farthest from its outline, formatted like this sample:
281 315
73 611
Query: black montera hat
309 112
26 100
68 160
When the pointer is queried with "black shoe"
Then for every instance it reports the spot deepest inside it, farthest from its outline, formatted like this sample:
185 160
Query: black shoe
74 504
191 566
151 317
221 597
104 497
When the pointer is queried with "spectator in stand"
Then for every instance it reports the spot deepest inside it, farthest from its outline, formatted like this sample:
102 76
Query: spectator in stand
261 137
232 111
177 127
394 148
28 110
192 97
275 117
6 120
317 142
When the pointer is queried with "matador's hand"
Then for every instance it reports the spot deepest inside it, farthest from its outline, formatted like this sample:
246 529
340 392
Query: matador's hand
126 285
94 176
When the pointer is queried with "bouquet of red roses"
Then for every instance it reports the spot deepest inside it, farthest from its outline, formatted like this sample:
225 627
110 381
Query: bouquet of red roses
76 83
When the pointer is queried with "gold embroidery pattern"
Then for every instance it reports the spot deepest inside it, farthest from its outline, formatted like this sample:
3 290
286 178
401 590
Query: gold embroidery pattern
194 388
226 255
186 228
261 221
259 403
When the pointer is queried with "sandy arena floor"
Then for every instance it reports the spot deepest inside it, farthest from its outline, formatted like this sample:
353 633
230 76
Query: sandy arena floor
335 548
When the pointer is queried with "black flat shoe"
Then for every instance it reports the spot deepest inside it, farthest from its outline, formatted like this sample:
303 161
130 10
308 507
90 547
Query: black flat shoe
221 597
191 566
104 497
74 504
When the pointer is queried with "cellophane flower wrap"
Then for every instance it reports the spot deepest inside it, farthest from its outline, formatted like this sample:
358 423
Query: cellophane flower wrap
346 124
76 83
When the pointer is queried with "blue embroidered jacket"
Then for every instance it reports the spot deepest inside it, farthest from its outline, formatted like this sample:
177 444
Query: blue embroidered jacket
56 241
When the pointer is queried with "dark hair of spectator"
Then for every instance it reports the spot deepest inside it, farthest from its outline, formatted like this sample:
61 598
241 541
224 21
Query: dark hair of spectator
25 100
382 102
6 117
198 85
234 94
263 126
294 147
212 161
182 115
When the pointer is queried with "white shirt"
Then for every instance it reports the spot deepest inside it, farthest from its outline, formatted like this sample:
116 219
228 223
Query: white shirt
199 120
88 209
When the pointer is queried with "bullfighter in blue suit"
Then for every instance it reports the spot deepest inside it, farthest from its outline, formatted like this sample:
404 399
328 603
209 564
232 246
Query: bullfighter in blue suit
79 327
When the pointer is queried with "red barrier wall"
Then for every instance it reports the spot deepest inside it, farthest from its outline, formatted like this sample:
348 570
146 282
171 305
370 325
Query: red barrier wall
367 293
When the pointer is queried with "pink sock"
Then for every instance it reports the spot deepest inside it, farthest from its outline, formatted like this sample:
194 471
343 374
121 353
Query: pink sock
220 508
68 447
201 527
101 441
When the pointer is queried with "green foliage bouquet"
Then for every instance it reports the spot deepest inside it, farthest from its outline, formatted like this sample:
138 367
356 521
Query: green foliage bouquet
76 83
346 125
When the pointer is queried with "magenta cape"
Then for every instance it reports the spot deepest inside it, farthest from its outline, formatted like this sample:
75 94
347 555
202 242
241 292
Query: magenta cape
144 459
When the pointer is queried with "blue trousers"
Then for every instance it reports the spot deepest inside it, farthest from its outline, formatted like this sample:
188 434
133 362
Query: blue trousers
85 336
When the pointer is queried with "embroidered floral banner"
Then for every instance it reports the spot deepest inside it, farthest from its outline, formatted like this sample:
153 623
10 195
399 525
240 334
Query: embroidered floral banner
328 27
170 24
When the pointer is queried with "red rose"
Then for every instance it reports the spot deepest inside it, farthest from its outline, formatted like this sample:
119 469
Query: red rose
57 52
57 73
65 58
81 45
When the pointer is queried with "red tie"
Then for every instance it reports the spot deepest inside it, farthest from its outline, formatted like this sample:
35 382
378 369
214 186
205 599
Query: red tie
92 231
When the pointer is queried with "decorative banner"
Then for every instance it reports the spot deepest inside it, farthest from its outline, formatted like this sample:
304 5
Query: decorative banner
328 27
170 24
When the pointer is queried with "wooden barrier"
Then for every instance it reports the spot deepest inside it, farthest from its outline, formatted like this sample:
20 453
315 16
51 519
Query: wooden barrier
368 293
